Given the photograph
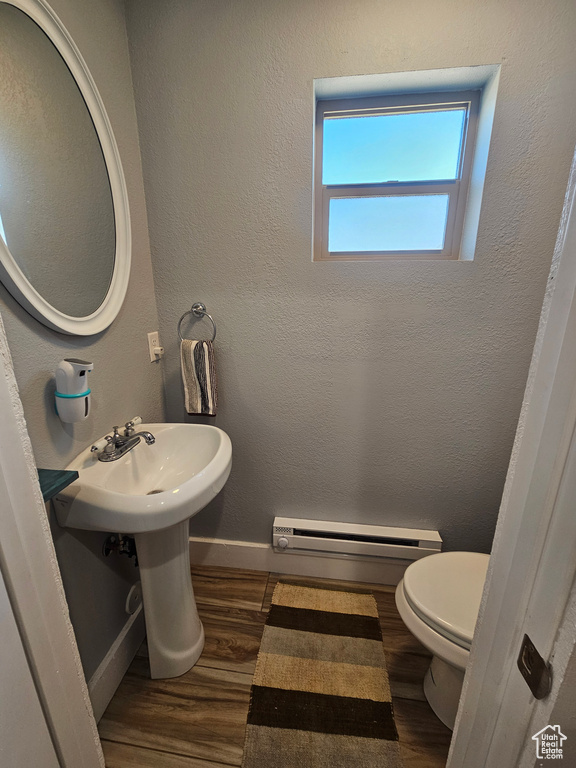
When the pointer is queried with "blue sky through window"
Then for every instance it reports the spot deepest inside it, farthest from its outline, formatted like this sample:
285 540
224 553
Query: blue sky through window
409 146
400 223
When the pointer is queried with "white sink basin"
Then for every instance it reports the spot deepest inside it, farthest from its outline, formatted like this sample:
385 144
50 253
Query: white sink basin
151 492
153 486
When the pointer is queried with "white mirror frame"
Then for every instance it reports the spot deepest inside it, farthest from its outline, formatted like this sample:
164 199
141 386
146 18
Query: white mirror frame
10 273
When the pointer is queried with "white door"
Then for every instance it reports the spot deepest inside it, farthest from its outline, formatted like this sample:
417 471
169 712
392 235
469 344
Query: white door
533 563
31 580
24 736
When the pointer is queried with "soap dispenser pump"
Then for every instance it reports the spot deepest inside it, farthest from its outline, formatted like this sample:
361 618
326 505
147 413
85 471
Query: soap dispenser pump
72 390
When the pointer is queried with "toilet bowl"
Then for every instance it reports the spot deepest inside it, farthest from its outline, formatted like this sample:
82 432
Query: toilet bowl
438 600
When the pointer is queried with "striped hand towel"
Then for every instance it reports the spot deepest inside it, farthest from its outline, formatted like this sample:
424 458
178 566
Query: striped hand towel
199 377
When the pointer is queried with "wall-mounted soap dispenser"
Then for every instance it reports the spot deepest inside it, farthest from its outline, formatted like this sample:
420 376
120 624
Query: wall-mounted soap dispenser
72 390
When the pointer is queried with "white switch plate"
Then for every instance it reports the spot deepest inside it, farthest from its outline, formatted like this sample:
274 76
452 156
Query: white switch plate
156 351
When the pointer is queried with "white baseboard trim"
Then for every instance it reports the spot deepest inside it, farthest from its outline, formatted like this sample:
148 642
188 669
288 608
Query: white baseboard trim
262 557
104 682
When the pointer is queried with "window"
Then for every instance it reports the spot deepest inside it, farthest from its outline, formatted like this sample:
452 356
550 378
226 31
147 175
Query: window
392 175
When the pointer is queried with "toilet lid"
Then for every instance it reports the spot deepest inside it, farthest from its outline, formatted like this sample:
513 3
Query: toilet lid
445 591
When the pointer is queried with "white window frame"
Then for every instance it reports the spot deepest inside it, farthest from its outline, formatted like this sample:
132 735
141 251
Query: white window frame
456 189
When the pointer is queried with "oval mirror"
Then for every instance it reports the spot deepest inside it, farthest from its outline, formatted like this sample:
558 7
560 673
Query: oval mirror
64 219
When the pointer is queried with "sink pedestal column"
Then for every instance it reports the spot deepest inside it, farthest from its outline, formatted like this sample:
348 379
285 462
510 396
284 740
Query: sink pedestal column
174 631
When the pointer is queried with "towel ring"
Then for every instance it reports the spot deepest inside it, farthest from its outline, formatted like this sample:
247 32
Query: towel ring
198 310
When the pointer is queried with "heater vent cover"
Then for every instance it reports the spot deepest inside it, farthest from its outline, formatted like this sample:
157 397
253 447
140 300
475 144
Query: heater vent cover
322 536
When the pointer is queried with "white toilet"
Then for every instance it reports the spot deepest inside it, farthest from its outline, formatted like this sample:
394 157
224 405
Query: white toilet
438 600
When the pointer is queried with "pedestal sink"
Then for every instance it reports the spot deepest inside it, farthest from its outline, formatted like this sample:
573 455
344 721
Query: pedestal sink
151 493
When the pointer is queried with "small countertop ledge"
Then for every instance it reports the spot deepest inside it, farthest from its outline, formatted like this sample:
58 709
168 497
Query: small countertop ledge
52 481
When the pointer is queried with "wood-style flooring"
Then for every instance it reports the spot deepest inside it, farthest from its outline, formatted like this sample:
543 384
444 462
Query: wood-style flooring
198 720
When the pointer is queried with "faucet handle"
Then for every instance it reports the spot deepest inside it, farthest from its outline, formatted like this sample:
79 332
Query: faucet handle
99 445
102 445
129 426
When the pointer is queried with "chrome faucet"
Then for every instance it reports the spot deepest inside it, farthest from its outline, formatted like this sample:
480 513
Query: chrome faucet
118 445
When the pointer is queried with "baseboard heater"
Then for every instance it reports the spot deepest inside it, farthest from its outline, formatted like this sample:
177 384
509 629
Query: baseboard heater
291 534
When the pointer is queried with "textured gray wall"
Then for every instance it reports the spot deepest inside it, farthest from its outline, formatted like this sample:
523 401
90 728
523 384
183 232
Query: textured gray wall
124 382
379 393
